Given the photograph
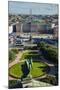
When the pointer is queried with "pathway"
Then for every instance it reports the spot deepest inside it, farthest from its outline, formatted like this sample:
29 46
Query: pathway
35 83
17 59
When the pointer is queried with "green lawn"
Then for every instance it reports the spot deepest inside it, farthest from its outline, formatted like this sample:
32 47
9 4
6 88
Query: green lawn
37 70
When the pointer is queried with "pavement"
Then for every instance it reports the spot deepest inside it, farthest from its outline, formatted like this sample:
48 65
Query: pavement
35 83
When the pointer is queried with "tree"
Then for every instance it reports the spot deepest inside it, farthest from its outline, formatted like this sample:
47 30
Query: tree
11 55
15 51
42 45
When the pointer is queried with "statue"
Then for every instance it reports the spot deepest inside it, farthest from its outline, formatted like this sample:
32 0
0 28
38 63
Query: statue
29 63
26 68
30 66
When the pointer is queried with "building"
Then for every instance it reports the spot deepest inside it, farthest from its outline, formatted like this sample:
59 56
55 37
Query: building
32 25
54 26
15 28
55 32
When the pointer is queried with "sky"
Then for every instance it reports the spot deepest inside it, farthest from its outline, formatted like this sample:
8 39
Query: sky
35 8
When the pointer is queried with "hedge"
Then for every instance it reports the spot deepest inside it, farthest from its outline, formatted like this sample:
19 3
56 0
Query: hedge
49 52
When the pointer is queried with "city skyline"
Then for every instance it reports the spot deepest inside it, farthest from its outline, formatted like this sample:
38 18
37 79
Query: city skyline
37 8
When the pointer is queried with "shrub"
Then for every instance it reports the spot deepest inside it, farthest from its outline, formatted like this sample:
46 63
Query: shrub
29 55
49 52
15 51
15 84
50 79
52 55
42 45
11 55
31 48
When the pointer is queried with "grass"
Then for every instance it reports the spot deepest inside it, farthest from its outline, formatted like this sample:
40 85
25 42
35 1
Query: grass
37 70
15 70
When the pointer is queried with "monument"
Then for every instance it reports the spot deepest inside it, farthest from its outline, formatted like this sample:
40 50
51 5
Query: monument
26 69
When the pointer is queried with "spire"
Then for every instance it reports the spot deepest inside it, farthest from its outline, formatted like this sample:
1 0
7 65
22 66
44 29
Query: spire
30 12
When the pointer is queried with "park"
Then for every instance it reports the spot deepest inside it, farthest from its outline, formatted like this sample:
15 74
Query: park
30 64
